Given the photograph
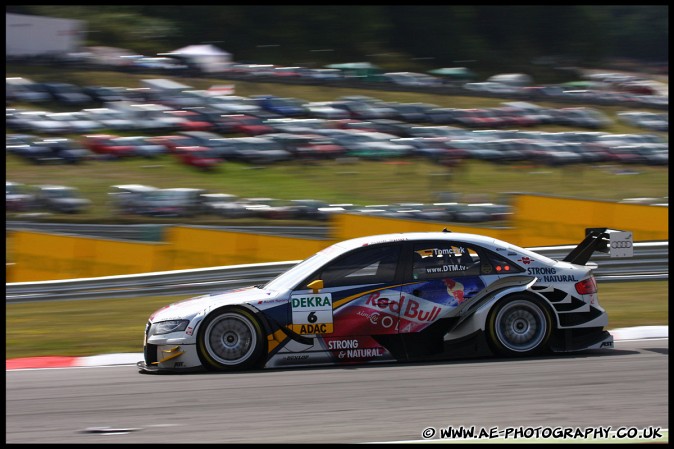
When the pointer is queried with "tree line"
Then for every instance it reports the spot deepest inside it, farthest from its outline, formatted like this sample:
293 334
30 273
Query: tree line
479 36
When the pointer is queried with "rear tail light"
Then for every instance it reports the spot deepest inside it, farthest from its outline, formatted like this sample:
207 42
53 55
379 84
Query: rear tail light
587 286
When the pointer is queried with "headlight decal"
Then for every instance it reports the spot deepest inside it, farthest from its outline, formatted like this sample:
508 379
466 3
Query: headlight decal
166 327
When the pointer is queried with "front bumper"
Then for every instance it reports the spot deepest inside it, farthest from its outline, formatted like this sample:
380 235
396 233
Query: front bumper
170 358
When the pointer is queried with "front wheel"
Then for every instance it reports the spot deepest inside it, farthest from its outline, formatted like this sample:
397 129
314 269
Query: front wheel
230 340
519 326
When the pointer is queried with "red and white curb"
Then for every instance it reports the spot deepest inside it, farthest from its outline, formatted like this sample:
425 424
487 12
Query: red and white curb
68 362
625 333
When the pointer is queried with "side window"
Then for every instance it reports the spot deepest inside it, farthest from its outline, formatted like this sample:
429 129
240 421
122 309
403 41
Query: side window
433 260
369 265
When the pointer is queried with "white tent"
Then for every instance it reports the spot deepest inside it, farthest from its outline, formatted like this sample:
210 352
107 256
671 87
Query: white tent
208 57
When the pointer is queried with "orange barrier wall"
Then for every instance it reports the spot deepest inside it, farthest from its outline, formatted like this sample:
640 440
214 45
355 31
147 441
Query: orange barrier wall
40 256
543 220
537 221
195 248
347 226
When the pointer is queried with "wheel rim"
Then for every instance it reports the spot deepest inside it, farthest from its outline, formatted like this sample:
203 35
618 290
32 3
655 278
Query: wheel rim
230 339
521 326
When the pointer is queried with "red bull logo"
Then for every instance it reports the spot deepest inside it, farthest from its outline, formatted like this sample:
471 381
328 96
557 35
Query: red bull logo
405 307
455 289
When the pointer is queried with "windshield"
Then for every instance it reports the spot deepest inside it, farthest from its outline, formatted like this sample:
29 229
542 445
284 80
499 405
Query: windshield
288 280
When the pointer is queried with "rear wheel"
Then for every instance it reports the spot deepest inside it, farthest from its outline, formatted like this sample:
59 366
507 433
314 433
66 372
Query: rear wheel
519 326
230 340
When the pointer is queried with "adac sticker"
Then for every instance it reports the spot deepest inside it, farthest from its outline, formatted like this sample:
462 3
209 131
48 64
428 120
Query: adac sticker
312 313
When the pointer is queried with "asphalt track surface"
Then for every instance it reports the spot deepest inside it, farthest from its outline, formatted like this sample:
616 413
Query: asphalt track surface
626 386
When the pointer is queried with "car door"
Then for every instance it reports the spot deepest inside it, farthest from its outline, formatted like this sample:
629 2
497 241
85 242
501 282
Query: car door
442 278
355 313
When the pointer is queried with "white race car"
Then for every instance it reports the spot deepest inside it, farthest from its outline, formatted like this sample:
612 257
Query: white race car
395 297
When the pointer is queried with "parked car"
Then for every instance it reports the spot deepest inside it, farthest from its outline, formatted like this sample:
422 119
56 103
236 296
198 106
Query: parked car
365 110
60 150
37 122
113 119
203 158
580 117
223 205
61 199
412 112
18 198
128 198
308 146
248 125
644 119
67 93
21 90
173 202
256 150
76 122
415 296
103 94
326 110
233 104
143 146
188 138
412 79
287 107
107 145
191 121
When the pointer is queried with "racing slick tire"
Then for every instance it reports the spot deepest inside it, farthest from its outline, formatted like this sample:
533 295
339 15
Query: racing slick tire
518 326
230 340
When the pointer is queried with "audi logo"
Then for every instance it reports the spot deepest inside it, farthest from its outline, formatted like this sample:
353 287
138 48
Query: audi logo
621 244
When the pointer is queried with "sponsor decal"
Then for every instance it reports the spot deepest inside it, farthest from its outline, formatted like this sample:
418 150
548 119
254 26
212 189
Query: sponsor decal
353 348
550 275
621 244
296 357
398 239
310 329
360 353
312 302
312 313
544 270
557 278
526 260
405 307
342 344
606 344
455 290
445 268
386 321
270 301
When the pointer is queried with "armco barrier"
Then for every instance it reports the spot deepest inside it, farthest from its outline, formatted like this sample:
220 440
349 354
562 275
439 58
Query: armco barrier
650 262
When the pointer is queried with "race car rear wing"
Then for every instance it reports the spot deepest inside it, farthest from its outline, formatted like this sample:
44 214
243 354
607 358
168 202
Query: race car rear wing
616 243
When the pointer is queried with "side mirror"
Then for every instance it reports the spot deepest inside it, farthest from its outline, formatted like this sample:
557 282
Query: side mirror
316 285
